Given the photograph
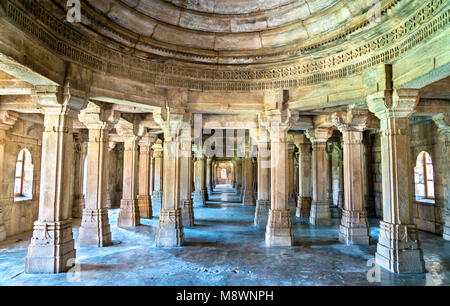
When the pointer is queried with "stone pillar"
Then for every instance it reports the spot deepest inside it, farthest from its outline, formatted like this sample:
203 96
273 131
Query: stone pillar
279 229
186 204
329 151
170 230
209 175
443 123
264 174
158 173
200 192
7 121
291 156
95 230
129 211
80 156
248 195
238 175
320 209
398 247
145 173
304 176
52 246
354 225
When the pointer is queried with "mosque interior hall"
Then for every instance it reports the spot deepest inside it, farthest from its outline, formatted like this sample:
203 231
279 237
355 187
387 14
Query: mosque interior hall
224 143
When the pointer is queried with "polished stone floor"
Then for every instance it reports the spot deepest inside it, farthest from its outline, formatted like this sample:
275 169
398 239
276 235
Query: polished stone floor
224 248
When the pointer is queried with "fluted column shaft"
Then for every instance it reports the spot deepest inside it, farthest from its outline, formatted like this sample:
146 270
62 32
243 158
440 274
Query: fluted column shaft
52 245
291 155
200 192
78 196
264 177
129 211
170 231
145 174
320 209
158 173
304 177
398 248
186 202
248 195
95 229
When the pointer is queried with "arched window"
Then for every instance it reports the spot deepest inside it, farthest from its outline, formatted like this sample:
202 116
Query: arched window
223 174
23 183
424 178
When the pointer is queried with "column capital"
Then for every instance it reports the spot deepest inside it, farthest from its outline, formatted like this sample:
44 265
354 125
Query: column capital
158 148
8 119
301 140
278 122
128 130
58 100
399 103
355 120
147 141
98 117
442 121
170 119
319 135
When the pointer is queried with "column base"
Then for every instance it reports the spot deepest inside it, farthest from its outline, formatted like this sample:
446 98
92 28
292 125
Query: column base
95 230
170 230
187 213
398 249
128 214
2 233
52 248
199 198
248 198
320 213
157 198
304 207
279 229
78 206
354 228
262 212
145 206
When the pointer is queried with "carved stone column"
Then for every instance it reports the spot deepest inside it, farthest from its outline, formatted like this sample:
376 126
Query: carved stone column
95 230
186 203
145 171
443 123
279 229
398 247
291 156
209 175
52 246
200 193
7 121
248 195
320 209
81 146
129 211
170 230
158 173
354 226
304 176
238 175
264 174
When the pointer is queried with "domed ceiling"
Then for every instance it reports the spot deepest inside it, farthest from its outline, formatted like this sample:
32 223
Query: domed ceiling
223 31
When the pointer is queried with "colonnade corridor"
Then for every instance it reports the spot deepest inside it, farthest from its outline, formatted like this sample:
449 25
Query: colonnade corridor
223 248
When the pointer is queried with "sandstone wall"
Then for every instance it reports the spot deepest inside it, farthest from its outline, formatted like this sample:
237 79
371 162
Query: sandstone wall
19 216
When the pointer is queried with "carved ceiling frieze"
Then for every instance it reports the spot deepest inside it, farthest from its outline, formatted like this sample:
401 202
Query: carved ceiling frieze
31 17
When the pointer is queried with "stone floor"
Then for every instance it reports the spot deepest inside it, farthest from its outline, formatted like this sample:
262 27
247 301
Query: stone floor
224 248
